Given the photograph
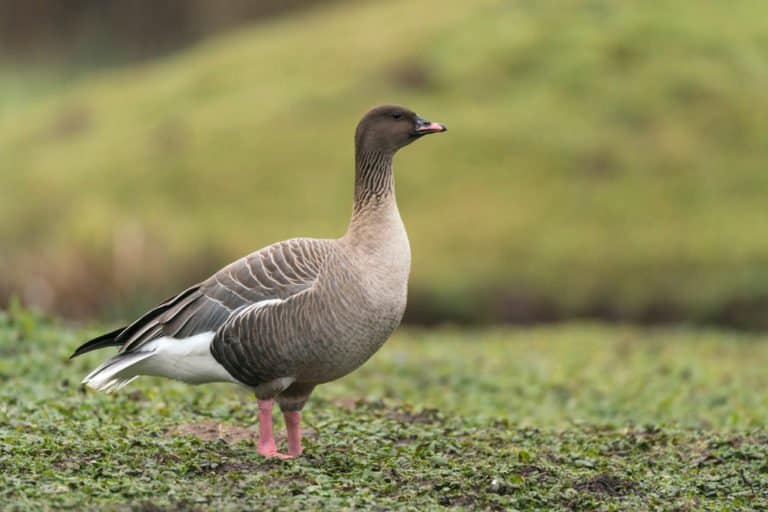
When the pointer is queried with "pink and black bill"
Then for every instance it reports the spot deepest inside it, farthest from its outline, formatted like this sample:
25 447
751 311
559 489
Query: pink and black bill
424 127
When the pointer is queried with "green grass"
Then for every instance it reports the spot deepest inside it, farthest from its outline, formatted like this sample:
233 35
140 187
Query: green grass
599 153
579 417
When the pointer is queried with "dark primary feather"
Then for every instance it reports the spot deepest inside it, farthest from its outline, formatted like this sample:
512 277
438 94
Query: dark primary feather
139 326
105 340
275 272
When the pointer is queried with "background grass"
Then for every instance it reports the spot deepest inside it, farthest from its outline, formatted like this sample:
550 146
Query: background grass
603 158
572 418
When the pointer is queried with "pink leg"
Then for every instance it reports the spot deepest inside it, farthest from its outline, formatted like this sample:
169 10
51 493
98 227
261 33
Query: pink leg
266 439
293 427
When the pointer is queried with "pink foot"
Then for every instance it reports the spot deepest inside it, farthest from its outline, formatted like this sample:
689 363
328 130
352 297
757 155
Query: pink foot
293 428
266 445
272 452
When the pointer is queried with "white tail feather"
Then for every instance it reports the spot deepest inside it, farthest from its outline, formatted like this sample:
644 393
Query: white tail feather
116 372
186 359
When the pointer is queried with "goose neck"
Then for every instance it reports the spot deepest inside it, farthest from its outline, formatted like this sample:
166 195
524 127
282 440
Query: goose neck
374 180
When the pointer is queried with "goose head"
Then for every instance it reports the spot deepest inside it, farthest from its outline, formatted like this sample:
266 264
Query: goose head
387 128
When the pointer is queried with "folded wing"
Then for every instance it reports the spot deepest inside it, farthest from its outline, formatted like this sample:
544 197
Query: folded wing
278 271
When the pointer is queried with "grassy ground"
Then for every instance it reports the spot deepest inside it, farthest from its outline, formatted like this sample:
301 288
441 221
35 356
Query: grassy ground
564 418
600 155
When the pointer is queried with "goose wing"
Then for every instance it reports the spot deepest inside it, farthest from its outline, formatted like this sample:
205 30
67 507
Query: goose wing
278 271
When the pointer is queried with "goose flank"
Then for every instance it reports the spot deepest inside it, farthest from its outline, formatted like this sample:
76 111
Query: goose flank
294 314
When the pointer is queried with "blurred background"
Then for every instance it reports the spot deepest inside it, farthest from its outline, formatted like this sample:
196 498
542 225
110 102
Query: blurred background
605 159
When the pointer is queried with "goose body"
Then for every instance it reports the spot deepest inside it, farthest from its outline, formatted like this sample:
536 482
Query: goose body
294 314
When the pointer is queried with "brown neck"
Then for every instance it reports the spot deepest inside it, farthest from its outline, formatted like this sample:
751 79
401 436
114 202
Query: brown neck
374 181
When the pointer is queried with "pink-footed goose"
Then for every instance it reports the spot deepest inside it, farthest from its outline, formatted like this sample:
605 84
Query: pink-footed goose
291 315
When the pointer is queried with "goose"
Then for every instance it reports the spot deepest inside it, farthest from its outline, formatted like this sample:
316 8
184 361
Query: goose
294 314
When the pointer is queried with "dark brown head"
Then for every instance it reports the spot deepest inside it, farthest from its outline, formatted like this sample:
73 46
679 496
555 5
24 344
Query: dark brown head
387 128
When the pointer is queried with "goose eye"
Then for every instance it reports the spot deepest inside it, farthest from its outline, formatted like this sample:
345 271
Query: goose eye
397 115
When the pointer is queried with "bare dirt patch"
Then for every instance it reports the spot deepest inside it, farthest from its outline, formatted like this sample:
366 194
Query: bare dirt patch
348 402
209 431
426 415
405 415
605 484
148 506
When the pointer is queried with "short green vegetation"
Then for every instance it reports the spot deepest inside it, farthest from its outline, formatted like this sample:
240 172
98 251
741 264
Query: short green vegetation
579 417
600 155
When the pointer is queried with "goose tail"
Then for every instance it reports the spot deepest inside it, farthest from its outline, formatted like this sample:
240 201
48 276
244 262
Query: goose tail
185 359
105 340
116 372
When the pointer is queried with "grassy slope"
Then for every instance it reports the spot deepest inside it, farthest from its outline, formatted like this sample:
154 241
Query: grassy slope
597 152
580 417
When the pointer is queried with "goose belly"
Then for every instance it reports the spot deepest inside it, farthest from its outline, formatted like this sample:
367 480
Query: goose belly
342 351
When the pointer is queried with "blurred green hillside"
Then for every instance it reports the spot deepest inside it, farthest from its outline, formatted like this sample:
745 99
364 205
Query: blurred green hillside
603 158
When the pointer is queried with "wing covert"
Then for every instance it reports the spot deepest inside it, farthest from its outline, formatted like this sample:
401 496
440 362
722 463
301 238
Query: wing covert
278 271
